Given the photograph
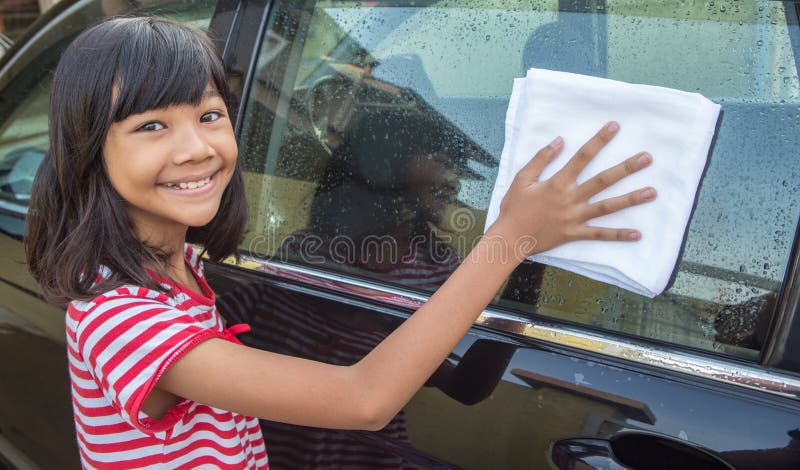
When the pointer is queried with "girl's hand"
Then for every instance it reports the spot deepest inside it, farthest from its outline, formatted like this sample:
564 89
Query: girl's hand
538 215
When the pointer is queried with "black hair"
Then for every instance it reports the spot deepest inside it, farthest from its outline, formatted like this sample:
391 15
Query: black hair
77 221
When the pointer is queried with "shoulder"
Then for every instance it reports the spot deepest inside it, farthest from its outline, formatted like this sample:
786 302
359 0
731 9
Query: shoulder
133 318
117 298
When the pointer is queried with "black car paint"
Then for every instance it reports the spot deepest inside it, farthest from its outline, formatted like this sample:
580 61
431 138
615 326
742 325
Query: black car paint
744 428
699 412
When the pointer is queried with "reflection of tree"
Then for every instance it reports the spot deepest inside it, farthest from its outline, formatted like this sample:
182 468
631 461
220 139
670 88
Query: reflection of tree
745 324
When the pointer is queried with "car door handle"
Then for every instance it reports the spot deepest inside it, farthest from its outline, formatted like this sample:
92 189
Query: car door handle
634 450
584 454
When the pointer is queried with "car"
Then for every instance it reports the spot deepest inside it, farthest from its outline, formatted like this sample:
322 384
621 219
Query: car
370 136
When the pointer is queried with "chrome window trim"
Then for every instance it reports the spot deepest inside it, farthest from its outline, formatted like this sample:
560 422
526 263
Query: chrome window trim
735 373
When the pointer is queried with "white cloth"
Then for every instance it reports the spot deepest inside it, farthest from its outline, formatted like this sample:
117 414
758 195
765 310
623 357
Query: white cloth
675 127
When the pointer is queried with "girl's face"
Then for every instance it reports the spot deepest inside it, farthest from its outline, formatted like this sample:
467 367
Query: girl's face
171 165
434 184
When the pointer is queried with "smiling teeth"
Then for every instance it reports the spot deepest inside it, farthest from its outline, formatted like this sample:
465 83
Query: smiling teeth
189 184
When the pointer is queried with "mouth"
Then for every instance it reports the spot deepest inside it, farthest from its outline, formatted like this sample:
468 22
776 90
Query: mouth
189 184
192 184
443 195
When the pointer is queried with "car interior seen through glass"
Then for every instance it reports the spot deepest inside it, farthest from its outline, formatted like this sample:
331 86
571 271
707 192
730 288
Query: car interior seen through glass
372 135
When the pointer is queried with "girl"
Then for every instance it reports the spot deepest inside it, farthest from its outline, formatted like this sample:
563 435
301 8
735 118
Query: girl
142 160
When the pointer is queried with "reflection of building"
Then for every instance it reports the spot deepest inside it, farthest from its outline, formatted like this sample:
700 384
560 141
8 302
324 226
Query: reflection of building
17 15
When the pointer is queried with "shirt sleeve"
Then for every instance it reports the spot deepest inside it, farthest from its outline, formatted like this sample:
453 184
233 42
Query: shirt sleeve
128 342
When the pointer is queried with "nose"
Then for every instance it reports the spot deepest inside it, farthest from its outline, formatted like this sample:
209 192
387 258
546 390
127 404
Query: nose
451 182
190 144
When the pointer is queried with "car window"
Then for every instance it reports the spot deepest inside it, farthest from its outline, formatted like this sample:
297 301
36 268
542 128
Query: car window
25 94
23 143
372 135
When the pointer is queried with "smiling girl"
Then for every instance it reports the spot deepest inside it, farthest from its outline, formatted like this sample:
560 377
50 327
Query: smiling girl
142 160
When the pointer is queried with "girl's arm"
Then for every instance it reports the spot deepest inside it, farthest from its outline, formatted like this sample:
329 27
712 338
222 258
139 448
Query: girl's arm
534 216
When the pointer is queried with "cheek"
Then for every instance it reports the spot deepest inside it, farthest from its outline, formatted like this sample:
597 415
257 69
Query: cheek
228 149
426 175
127 173
114 168
228 146
233 152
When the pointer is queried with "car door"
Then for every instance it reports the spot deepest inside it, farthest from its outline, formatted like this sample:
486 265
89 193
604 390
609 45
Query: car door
370 134
36 424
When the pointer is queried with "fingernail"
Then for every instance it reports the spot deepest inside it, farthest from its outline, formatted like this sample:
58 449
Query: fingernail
556 143
645 159
634 236
612 126
649 194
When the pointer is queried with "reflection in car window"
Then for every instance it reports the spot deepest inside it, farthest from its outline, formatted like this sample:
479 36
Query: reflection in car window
372 136
26 97
23 143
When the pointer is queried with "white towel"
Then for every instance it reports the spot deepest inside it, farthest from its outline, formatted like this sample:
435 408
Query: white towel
674 126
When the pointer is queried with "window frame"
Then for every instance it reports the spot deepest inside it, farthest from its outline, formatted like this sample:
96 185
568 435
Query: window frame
774 373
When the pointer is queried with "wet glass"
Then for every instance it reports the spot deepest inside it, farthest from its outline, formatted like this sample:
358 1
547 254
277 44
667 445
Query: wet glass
372 135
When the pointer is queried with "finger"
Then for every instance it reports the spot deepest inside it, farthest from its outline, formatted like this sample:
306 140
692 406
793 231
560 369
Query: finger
534 168
616 204
575 166
608 234
611 176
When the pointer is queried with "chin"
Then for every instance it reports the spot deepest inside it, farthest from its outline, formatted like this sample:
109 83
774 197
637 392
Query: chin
200 216
199 220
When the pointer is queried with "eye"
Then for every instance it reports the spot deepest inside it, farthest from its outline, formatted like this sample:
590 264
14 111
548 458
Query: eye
210 116
151 126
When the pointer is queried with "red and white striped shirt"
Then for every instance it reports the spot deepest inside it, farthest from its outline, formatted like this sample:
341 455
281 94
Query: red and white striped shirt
118 345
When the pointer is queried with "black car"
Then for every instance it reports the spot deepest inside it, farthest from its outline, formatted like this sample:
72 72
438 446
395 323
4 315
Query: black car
370 134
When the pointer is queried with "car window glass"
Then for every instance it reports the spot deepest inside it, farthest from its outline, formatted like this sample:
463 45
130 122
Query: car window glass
26 95
23 143
372 135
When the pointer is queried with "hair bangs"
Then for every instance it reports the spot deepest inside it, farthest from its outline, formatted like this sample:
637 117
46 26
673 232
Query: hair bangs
164 66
